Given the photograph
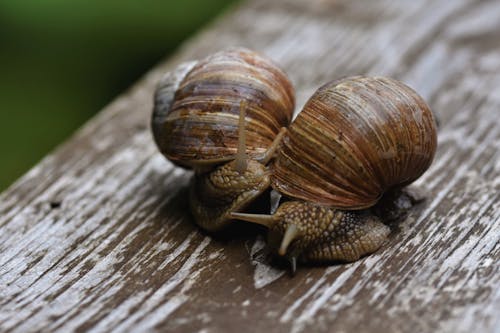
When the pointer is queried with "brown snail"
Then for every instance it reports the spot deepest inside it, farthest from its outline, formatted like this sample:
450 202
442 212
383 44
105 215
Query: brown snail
223 117
355 139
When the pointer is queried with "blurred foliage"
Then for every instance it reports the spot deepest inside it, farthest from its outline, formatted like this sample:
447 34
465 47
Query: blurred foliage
61 61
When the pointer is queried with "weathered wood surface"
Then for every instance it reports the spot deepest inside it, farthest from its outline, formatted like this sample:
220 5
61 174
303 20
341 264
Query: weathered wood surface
98 235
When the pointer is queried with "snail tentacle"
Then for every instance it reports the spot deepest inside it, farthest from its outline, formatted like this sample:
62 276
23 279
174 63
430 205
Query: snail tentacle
291 233
262 219
271 151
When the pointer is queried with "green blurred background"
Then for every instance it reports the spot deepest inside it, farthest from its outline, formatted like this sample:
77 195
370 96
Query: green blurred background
61 61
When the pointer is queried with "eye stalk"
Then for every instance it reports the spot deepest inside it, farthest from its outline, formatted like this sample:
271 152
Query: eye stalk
292 232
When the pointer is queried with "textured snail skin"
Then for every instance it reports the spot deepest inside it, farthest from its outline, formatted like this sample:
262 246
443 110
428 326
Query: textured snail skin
327 234
355 139
197 127
225 190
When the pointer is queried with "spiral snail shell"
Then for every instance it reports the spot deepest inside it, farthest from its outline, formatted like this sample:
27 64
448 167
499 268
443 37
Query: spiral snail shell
355 139
223 116
196 115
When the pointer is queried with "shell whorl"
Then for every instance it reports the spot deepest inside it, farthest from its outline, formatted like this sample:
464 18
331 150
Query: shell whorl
195 120
164 98
355 139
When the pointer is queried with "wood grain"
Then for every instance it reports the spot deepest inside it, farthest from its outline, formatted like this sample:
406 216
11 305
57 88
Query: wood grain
98 236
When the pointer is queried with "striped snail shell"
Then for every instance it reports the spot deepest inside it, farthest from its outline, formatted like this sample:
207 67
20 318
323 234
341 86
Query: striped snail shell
355 139
195 116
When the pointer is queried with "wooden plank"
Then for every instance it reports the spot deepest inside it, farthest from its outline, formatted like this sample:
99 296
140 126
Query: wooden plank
98 235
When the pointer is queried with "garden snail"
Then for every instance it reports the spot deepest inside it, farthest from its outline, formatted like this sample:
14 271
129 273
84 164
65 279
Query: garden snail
355 139
223 116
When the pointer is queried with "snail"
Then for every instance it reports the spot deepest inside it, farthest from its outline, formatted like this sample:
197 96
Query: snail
355 139
223 117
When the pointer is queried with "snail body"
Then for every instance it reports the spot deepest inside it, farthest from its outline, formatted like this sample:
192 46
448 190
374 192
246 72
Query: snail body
356 139
225 190
223 117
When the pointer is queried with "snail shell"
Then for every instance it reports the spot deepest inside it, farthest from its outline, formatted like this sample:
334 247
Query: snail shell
355 139
195 117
